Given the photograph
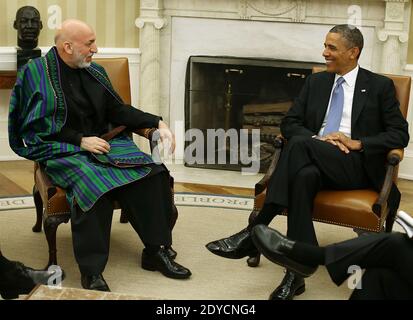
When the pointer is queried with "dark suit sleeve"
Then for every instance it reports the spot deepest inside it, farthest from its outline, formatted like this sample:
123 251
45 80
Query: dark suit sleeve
395 134
67 135
126 115
293 123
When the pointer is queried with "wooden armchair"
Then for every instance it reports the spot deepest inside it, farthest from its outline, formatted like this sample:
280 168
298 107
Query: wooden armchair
363 209
51 205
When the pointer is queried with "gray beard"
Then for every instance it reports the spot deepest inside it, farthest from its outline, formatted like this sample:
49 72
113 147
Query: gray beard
83 65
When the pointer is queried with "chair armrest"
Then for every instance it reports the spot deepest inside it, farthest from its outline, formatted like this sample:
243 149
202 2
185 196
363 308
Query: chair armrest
152 134
261 185
393 158
146 133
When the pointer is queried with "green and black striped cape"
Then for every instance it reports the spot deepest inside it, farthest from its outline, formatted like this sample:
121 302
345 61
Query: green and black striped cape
38 110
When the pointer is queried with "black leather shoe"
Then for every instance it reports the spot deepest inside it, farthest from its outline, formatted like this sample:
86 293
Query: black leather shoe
94 282
19 279
292 285
171 252
162 262
236 246
275 247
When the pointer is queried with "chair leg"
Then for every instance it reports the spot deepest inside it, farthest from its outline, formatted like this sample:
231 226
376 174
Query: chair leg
390 220
123 217
253 261
174 215
39 210
50 229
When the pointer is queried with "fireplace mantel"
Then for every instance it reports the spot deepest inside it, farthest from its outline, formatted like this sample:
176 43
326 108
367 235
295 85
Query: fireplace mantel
173 30
389 20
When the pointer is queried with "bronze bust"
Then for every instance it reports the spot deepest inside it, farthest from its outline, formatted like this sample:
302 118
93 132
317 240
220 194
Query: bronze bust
28 26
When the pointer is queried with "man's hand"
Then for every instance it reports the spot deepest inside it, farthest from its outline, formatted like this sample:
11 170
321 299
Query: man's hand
95 145
344 143
167 136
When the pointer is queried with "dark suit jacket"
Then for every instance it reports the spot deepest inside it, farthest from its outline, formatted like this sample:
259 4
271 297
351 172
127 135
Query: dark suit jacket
376 119
97 117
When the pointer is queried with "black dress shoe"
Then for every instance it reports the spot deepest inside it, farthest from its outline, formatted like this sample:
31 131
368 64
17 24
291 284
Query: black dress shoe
171 252
236 246
275 247
94 282
162 262
292 285
19 279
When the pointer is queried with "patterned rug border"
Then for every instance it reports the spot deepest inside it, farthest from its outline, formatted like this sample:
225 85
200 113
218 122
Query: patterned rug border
185 199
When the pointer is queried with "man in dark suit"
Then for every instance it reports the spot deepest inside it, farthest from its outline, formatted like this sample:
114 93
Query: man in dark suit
386 257
339 131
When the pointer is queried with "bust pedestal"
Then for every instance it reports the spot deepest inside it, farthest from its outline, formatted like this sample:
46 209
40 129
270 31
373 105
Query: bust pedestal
24 55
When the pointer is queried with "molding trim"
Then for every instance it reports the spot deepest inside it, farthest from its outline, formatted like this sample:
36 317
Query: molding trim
8 59
409 67
406 166
133 54
11 158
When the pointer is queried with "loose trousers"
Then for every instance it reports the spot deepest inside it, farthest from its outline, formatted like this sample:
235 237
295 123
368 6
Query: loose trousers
148 207
387 259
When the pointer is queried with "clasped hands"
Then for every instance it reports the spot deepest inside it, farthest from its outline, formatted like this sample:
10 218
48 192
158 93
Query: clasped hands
101 146
340 140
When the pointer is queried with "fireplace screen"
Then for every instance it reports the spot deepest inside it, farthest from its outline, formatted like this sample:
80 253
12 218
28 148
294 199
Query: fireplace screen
227 100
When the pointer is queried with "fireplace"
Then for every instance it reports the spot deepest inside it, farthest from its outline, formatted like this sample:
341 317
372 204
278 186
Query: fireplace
228 97
174 30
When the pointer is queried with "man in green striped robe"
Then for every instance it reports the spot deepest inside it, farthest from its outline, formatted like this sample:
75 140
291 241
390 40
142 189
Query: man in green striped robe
60 107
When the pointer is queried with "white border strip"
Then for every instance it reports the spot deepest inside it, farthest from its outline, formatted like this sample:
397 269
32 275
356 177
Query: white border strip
14 203
214 201
181 199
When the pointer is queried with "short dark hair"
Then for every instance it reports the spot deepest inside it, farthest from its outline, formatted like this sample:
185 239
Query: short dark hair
352 35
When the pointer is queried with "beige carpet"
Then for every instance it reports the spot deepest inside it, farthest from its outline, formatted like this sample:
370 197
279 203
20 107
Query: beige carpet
213 277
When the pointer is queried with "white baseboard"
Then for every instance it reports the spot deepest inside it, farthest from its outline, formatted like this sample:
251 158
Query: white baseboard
11 158
408 67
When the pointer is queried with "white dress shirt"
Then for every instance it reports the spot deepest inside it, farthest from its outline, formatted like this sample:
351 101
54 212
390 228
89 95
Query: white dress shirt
348 89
